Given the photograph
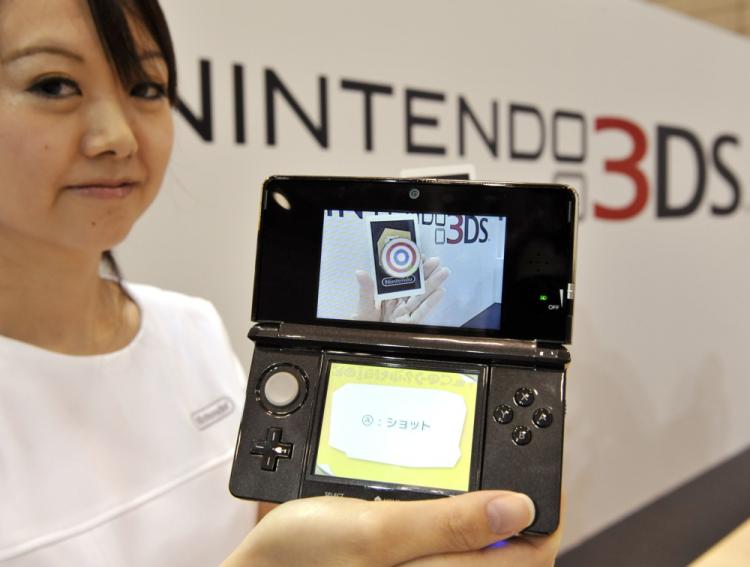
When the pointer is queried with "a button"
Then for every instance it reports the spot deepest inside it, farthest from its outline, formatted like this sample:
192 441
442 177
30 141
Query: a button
524 397
271 449
281 388
521 435
542 417
503 414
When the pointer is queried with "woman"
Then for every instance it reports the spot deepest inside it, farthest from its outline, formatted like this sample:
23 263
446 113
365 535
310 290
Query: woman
119 402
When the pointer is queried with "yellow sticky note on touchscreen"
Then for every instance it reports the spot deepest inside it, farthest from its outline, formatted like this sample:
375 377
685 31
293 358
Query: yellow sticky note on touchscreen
398 425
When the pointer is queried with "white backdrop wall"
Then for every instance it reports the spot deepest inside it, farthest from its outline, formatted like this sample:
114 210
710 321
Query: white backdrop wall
658 387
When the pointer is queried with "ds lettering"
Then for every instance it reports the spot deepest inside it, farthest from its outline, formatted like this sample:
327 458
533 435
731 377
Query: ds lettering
467 229
667 137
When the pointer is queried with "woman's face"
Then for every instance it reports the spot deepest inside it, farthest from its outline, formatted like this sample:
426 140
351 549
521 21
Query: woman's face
81 155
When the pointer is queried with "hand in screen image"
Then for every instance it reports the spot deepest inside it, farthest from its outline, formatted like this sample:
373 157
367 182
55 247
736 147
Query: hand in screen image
405 310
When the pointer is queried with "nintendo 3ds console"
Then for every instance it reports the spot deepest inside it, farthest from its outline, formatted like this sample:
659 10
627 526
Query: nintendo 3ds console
409 341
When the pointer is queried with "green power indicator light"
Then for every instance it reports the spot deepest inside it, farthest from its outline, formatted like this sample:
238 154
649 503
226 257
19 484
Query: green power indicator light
543 297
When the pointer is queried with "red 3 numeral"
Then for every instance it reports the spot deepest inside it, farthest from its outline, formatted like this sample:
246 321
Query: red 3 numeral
459 228
627 167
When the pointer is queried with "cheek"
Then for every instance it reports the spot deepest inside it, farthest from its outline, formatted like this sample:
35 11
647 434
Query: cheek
156 149
31 166
33 146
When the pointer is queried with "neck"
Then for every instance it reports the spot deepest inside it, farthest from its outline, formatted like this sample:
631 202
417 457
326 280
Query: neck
55 299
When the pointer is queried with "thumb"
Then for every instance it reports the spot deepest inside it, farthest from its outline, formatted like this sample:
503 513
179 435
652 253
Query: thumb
366 301
467 522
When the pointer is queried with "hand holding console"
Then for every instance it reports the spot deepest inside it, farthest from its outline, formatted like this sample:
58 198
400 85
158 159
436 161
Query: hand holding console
451 532
435 393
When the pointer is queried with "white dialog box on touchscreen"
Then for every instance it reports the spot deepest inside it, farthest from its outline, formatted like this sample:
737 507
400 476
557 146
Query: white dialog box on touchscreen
399 426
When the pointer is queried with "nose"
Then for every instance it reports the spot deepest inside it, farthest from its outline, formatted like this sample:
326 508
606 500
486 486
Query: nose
109 131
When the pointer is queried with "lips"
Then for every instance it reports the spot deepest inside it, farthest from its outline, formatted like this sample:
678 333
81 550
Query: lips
104 188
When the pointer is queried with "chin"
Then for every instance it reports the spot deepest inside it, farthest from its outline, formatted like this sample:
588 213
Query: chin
114 229
107 239
113 240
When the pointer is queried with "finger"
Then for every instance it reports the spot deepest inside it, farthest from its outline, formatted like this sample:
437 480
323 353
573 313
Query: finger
426 306
400 314
430 265
437 277
467 522
431 284
366 302
406 313
388 307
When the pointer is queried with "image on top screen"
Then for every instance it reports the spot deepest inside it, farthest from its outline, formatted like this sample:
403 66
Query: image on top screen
405 426
412 268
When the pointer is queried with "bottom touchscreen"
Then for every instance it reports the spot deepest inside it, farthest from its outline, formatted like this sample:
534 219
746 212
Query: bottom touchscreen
400 425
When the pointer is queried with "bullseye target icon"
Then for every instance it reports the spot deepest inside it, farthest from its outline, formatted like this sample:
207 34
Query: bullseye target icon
400 257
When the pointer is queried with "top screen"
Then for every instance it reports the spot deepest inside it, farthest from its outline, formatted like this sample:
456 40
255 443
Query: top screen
434 269
434 257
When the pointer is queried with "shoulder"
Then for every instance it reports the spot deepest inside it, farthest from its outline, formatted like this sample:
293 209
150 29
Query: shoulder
152 297
180 321
173 306
185 329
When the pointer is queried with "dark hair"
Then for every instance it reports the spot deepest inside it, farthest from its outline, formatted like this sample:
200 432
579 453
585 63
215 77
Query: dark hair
111 264
111 22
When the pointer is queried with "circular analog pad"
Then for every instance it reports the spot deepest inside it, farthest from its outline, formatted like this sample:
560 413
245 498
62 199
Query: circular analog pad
281 388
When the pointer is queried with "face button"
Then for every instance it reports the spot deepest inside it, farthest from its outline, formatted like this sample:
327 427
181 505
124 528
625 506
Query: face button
521 435
542 417
503 414
524 397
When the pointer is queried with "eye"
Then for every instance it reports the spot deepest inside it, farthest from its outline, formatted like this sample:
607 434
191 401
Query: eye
55 87
149 91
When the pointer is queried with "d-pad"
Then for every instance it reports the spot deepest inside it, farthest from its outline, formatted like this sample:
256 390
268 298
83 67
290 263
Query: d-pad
271 449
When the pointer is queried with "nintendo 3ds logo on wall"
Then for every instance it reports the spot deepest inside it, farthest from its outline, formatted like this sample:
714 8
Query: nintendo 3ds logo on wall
562 134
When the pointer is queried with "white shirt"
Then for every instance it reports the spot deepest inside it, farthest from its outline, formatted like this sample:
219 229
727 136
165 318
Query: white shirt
123 458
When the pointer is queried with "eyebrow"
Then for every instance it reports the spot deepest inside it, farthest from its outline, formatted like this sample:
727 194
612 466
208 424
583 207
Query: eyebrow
41 49
55 50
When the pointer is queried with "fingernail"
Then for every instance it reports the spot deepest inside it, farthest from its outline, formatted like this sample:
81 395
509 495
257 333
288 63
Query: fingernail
508 515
